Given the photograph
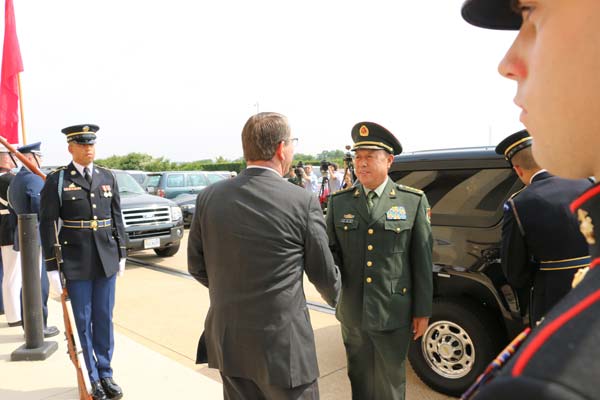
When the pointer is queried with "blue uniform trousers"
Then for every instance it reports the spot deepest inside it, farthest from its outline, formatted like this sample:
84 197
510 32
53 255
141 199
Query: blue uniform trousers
93 302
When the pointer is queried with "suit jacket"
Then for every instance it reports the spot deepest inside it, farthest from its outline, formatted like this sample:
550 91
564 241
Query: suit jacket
538 226
87 253
560 359
250 241
384 259
24 195
8 221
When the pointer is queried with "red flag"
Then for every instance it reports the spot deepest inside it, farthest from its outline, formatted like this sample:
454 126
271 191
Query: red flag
11 66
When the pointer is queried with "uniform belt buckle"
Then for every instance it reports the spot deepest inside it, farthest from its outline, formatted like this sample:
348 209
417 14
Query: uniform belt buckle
94 224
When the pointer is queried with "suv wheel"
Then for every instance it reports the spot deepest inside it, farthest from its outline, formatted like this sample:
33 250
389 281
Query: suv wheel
167 251
462 338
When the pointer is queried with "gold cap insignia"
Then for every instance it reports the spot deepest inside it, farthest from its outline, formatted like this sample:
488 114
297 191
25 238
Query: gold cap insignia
363 131
86 128
585 226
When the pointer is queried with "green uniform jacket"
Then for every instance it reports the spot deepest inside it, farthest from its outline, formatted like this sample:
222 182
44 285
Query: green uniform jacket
385 260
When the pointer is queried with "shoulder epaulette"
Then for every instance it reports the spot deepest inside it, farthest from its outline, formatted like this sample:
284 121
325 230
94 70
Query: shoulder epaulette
410 189
57 169
348 189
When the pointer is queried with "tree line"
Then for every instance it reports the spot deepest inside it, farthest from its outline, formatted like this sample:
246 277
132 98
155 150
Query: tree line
145 162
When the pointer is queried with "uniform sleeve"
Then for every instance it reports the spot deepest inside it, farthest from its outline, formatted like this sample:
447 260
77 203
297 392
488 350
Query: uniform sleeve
421 245
318 262
49 215
195 251
515 259
117 220
334 246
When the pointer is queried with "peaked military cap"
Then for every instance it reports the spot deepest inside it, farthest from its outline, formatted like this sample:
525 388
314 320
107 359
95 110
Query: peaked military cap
31 148
369 135
513 144
82 134
492 14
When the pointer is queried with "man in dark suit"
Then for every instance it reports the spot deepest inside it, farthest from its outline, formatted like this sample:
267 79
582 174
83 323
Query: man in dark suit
542 247
380 236
251 240
86 198
24 198
554 60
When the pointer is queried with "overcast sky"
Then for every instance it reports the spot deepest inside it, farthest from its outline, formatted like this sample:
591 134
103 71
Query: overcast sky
179 78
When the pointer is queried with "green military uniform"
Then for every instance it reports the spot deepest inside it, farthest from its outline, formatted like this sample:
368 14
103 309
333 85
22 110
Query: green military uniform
384 257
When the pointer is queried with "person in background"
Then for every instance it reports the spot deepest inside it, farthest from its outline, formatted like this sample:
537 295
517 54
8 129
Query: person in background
10 264
24 198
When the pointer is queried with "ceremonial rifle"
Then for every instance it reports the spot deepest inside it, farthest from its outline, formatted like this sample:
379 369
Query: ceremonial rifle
72 340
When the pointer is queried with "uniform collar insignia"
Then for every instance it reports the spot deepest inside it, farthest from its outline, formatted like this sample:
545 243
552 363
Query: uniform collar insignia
357 193
579 275
392 193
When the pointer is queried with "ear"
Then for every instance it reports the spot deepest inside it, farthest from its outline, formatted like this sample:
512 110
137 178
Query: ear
279 150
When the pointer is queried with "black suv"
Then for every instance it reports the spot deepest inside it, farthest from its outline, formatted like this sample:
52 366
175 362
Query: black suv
475 311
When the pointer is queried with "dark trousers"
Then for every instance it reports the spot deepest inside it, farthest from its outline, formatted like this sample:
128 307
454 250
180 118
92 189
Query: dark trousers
1 278
376 363
93 302
247 389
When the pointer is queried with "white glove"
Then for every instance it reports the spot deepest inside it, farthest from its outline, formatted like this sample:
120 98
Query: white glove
122 266
55 283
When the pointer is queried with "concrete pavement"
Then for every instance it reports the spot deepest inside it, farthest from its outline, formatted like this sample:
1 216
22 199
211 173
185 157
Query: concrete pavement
142 372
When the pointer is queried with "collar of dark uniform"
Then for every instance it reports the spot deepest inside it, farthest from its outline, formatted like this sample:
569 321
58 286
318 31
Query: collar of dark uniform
540 176
587 210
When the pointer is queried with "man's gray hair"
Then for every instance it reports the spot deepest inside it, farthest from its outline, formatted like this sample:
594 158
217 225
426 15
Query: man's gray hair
262 134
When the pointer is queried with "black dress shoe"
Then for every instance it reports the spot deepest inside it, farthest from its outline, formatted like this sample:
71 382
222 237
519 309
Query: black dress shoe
13 324
50 331
113 391
98 392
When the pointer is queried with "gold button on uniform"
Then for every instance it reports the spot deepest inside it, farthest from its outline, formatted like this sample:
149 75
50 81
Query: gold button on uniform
397 229
369 263
403 290
92 195
370 231
345 227
93 205
95 217
369 280
369 247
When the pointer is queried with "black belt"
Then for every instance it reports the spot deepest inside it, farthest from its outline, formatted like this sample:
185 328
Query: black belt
570 263
93 224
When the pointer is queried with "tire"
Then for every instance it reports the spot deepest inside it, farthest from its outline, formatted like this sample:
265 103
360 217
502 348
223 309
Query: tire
461 340
167 251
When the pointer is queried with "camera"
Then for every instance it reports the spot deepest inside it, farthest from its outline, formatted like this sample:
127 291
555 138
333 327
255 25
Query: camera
325 166
348 158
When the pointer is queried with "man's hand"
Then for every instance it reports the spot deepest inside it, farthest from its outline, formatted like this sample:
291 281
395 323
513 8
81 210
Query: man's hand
419 326
55 283
122 266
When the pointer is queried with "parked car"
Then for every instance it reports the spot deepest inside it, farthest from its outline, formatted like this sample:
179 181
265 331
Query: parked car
475 312
150 222
187 203
171 184
139 176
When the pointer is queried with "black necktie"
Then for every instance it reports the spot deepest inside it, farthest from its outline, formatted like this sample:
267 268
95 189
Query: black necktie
87 176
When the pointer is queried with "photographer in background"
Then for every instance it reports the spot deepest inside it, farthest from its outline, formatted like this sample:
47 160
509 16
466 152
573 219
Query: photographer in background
336 177
295 175
311 182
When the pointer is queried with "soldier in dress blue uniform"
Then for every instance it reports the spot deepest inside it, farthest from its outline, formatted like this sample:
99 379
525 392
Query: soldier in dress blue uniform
380 237
542 247
555 60
24 198
86 199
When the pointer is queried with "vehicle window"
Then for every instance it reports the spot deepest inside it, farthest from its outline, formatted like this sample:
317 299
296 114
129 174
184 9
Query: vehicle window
127 184
469 197
197 180
212 178
175 180
153 180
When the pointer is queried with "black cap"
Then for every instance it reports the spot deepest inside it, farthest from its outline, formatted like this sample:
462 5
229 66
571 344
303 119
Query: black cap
82 134
492 14
31 148
369 135
513 144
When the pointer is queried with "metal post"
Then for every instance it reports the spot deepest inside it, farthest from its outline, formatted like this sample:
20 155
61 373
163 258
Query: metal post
35 348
